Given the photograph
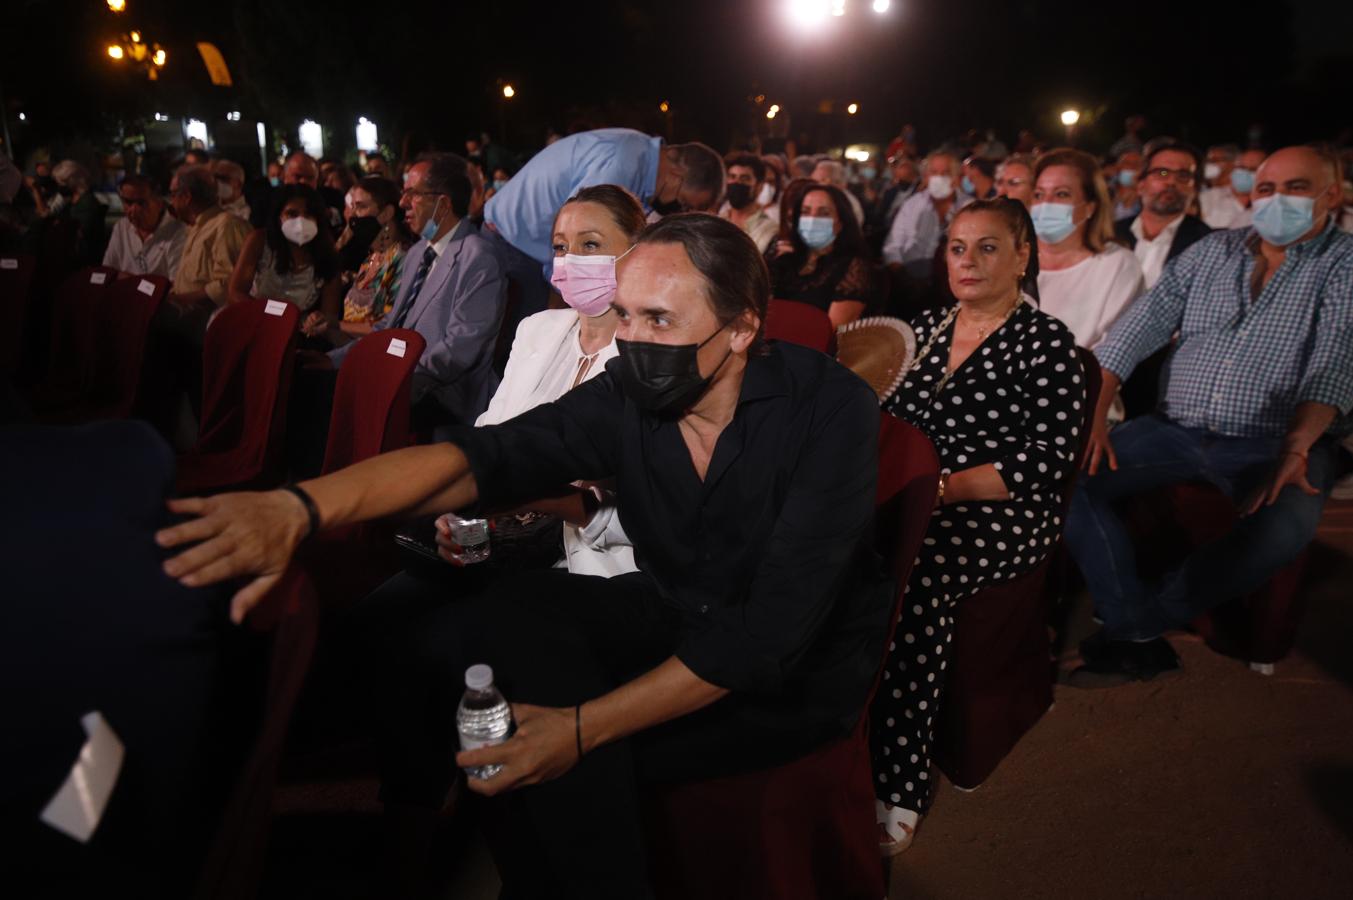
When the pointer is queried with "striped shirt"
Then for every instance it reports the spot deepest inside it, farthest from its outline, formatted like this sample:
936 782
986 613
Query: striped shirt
1242 363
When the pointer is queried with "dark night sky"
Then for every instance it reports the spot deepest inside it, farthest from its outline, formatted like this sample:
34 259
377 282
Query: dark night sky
1199 70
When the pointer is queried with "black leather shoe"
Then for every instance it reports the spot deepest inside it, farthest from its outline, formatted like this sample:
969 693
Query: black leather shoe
1111 663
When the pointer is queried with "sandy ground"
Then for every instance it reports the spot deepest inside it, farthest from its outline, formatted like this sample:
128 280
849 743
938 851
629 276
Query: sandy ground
1218 782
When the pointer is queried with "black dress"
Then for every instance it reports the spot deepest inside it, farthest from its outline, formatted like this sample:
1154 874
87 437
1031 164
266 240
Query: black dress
834 278
1015 402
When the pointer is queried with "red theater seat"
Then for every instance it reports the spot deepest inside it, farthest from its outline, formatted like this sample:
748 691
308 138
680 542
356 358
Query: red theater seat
246 376
16 283
1000 673
70 368
800 323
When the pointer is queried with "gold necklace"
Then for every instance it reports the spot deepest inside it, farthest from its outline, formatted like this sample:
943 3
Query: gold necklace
952 317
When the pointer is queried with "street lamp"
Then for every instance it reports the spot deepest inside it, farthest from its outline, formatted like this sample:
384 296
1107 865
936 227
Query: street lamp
774 108
853 108
117 6
663 106
509 91
115 51
1069 118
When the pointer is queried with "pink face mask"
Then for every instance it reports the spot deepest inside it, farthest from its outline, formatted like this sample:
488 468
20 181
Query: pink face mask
587 283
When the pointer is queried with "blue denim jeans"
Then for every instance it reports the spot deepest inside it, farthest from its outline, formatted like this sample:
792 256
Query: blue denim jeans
1154 452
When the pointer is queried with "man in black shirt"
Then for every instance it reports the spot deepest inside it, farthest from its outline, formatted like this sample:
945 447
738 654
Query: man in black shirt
752 632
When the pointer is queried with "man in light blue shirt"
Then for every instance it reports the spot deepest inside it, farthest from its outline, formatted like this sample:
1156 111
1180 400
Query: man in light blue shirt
520 217
919 225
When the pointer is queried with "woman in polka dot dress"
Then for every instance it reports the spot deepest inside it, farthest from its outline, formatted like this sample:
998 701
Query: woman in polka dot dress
998 388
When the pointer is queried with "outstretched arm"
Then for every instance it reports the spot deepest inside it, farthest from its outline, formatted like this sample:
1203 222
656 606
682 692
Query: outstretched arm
256 533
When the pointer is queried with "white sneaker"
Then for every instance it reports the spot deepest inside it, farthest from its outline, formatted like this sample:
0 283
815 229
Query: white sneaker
899 827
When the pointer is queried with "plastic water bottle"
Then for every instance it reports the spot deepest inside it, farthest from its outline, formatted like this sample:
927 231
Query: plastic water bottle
483 719
472 535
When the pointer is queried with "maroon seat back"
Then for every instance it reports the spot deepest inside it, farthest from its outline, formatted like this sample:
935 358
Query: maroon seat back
70 369
234 863
800 323
16 282
1260 627
123 323
247 365
372 397
804 829
1000 670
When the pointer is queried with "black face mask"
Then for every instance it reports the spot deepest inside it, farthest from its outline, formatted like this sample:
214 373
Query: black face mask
906 185
664 378
354 252
670 208
739 195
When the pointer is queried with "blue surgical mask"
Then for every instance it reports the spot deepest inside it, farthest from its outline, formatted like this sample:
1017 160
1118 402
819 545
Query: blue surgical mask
817 231
275 181
1127 177
1054 222
967 185
499 184
1282 218
1242 180
869 173
429 231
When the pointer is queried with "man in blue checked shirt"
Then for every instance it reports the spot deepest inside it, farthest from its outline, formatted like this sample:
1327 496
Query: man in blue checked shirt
1255 396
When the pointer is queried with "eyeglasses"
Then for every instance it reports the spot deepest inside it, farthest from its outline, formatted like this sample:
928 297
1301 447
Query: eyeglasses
1180 176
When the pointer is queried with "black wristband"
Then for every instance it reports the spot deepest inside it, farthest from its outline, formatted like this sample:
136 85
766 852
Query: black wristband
578 728
311 510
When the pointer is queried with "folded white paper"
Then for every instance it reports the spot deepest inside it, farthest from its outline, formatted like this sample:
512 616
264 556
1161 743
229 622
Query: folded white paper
146 287
79 804
98 277
397 347
275 307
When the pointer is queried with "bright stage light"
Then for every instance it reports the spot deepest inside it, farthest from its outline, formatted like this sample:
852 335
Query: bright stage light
774 108
881 6
807 13
509 91
838 7
1070 117
114 51
853 108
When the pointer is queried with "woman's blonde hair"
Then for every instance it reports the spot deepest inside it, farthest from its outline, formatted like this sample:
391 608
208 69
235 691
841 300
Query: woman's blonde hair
1099 229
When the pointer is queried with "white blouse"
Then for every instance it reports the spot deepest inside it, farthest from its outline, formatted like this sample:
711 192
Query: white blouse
1089 296
546 362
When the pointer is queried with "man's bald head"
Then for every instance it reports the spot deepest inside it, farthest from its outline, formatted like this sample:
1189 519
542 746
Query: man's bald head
1307 163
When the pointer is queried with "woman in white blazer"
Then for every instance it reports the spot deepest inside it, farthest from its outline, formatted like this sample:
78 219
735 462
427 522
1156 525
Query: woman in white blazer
556 350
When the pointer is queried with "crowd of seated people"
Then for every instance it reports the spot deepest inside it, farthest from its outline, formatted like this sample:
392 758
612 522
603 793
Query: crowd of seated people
718 604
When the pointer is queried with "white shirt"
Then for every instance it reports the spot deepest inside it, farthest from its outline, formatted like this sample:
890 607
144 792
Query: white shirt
157 255
760 227
545 360
855 206
1221 209
238 208
1089 296
1153 254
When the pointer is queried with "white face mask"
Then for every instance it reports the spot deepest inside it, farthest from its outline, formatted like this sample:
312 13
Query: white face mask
766 196
1211 171
941 187
300 230
225 192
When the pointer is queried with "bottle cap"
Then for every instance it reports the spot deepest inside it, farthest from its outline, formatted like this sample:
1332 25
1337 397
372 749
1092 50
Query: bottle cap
479 678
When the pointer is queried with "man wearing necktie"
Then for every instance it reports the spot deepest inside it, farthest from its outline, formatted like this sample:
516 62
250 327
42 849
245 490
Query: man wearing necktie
454 296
